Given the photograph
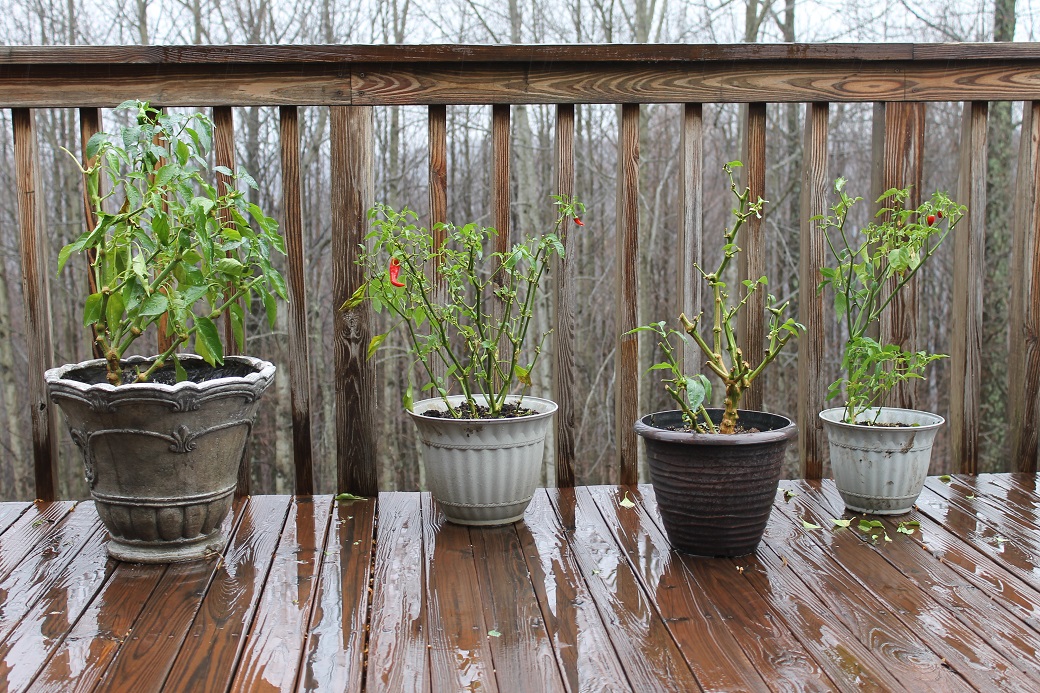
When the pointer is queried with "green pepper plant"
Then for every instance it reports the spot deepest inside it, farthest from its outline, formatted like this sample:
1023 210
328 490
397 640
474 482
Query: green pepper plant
466 310
723 355
871 267
178 247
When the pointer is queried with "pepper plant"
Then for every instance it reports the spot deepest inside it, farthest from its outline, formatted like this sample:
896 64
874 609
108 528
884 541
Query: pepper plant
178 247
723 356
467 311
871 268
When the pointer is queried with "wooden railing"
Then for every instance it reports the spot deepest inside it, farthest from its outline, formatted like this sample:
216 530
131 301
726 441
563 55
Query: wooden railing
350 80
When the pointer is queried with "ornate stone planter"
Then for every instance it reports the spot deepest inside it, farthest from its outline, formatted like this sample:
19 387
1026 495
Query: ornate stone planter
162 459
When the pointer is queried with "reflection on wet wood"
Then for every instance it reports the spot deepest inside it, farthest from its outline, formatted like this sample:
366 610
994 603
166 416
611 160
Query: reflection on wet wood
584 595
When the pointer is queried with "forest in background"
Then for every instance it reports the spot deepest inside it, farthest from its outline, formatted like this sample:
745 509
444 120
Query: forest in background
401 179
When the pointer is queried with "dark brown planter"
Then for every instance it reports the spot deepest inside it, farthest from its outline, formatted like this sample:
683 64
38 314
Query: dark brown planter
715 491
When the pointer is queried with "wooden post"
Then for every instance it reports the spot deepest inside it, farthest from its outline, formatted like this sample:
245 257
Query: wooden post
437 123
690 243
812 377
626 355
352 197
1024 362
36 299
89 124
902 159
224 155
299 349
751 262
564 273
969 250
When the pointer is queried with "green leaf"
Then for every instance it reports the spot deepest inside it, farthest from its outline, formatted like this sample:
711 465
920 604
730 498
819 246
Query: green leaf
114 309
841 523
156 304
373 344
178 370
946 478
229 265
209 338
347 497
522 374
271 307
92 309
408 398
809 525
356 298
94 144
494 634
626 502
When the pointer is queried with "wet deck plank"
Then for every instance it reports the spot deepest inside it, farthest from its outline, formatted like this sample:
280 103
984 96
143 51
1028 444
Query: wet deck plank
585 594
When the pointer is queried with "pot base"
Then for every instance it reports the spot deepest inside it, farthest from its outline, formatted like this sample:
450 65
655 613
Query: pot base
167 552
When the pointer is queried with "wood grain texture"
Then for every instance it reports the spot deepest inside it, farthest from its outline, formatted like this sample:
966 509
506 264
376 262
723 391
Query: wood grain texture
150 645
437 127
812 253
751 263
1024 358
650 657
271 656
334 652
626 353
565 276
352 196
397 658
224 155
459 652
580 637
710 649
500 205
968 265
522 652
296 278
36 301
217 636
903 167
89 124
689 293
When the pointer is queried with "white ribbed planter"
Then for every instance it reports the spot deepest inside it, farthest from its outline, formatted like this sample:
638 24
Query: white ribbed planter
878 469
483 471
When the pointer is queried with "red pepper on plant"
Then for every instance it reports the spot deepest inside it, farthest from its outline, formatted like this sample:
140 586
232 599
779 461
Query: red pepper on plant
395 272
578 222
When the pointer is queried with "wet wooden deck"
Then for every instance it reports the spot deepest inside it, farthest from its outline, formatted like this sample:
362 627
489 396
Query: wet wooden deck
584 595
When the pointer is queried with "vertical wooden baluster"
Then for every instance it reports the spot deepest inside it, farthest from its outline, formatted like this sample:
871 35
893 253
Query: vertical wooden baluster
752 261
689 290
812 376
437 123
1024 362
902 166
564 272
352 197
36 298
969 251
500 200
626 355
299 350
89 124
224 155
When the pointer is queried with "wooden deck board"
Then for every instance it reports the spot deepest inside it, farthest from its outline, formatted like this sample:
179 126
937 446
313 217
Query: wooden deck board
585 594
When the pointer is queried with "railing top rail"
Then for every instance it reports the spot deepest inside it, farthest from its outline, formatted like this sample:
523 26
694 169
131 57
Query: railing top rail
525 53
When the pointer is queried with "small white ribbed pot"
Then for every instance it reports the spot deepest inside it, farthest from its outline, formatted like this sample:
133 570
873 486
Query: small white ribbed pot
879 469
483 471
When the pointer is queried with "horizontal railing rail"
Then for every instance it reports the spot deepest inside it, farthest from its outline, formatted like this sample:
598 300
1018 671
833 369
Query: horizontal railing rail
350 80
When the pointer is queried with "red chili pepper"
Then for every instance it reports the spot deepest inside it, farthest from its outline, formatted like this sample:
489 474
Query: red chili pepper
395 271
939 213
931 219
578 222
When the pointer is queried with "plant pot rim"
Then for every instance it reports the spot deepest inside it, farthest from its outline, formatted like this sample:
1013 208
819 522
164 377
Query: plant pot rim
834 415
263 371
646 430
543 407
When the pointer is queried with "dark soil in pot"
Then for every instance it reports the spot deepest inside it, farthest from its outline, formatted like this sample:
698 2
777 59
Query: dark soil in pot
714 491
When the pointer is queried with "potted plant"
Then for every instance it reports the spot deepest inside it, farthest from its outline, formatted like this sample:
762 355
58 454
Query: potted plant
162 437
880 455
715 471
467 314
